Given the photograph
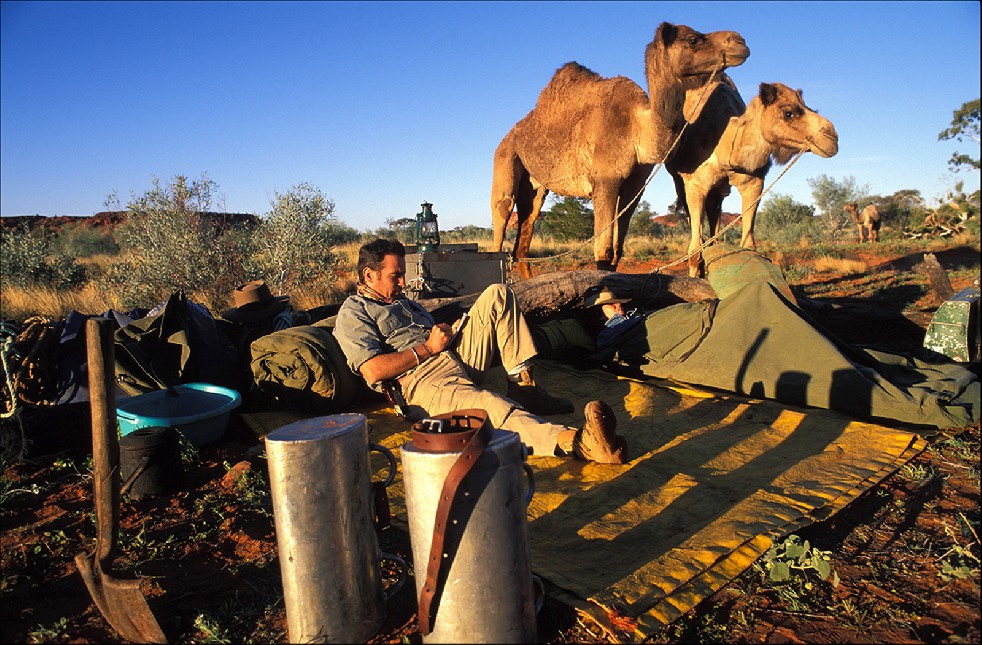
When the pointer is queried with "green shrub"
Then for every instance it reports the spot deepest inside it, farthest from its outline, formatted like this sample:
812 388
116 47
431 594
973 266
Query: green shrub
26 261
294 240
83 242
785 221
169 245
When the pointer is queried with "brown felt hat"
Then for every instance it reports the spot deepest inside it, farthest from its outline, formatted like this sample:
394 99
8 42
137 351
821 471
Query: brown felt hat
255 302
603 297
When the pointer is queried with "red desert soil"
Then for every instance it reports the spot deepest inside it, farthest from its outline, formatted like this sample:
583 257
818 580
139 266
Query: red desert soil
209 557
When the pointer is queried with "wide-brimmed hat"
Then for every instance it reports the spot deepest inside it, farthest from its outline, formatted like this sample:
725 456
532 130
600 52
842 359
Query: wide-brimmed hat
255 302
603 297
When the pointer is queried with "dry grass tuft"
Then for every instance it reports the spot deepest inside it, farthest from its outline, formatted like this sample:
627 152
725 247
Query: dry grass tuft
840 266
18 303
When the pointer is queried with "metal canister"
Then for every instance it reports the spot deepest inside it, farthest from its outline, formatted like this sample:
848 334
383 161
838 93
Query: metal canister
321 484
488 594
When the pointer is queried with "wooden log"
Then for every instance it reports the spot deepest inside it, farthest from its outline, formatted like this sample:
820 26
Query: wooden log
554 294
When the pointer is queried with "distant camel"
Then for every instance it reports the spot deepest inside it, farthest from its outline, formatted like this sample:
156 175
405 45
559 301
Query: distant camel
730 144
867 221
599 138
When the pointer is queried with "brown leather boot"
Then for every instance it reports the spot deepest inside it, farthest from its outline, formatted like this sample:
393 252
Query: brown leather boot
598 440
535 399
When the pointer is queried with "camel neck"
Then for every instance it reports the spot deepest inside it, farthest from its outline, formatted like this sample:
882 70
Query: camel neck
666 98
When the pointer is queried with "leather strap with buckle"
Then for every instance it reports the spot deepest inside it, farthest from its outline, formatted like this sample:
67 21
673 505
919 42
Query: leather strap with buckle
468 431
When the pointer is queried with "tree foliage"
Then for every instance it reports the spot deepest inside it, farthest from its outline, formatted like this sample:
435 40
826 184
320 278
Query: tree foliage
26 260
785 221
830 196
294 240
170 244
964 126
568 220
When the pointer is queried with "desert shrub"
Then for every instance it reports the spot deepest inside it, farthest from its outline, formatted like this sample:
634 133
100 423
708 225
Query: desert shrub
169 245
569 219
785 221
339 233
83 242
467 234
294 242
402 229
26 260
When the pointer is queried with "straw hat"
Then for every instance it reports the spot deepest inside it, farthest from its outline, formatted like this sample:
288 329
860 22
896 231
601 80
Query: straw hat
255 302
603 297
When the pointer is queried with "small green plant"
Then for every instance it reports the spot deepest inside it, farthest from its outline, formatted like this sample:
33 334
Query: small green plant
9 489
189 454
797 272
959 561
52 542
54 633
254 493
211 630
783 558
919 473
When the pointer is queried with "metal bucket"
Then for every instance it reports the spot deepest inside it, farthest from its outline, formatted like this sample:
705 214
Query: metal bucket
150 462
488 595
321 485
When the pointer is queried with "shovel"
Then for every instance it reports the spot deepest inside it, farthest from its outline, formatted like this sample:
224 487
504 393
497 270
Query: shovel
120 600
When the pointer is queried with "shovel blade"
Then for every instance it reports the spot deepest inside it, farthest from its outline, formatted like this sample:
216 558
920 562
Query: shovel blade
120 601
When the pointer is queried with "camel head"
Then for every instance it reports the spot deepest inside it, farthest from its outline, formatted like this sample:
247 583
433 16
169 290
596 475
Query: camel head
790 126
853 209
692 56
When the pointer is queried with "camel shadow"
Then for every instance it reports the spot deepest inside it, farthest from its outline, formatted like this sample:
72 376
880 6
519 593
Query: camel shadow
676 493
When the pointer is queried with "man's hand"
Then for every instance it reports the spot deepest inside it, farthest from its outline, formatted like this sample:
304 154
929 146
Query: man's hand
440 335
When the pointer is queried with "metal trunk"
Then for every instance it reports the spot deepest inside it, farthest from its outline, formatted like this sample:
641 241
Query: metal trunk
954 329
321 485
488 594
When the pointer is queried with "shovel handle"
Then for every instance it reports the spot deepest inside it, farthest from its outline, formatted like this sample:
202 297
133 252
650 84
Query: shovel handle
105 441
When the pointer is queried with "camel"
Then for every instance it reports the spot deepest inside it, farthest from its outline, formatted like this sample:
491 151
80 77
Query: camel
599 138
730 144
867 221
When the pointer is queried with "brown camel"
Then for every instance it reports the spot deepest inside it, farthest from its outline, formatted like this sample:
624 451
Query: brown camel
867 221
730 144
599 138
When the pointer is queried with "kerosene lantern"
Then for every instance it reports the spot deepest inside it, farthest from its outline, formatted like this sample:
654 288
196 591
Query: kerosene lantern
427 231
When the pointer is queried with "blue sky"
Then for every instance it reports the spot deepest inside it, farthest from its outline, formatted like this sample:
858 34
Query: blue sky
384 105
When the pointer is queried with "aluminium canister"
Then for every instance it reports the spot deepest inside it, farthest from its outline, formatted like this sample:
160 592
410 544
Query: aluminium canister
321 486
488 594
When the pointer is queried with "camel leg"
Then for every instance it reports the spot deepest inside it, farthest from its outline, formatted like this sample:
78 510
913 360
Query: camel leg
501 210
604 205
750 192
529 206
508 173
629 194
694 203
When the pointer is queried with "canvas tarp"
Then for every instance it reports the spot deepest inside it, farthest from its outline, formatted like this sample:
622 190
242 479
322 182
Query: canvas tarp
712 481
755 342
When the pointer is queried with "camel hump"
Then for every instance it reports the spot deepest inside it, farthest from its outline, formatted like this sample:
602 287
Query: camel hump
872 213
573 79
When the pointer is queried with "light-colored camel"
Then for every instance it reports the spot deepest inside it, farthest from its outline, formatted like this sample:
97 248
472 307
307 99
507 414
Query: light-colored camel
599 138
867 221
731 144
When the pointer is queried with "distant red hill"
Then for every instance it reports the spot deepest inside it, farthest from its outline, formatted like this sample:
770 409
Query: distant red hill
112 219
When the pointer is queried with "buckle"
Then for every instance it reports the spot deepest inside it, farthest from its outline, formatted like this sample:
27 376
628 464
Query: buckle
431 425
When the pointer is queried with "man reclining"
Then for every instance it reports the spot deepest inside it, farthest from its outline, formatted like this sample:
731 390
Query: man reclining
386 336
